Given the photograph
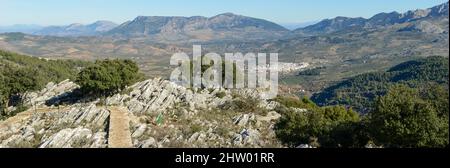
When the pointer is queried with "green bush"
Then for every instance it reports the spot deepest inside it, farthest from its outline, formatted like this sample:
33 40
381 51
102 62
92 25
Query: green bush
221 94
311 72
361 91
295 102
316 126
242 104
406 118
107 77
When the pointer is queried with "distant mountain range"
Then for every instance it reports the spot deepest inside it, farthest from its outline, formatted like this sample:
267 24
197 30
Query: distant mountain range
378 20
346 45
225 25
23 28
77 29
228 26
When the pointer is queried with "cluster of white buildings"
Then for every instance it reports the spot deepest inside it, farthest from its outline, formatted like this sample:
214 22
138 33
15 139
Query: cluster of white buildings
284 67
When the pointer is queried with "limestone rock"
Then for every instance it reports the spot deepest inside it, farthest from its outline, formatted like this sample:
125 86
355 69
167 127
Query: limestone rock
90 114
149 143
99 140
271 116
243 119
305 146
247 136
84 125
140 131
425 27
68 138
51 91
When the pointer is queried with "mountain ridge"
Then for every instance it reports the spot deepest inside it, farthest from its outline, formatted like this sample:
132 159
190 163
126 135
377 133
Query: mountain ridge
378 20
24 28
197 27
77 29
230 26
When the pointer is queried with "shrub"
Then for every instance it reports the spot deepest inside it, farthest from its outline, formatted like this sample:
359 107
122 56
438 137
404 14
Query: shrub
295 102
404 118
108 76
221 94
316 126
244 105
195 128
311 72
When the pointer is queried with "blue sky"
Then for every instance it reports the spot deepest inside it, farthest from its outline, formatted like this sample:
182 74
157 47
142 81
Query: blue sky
60 12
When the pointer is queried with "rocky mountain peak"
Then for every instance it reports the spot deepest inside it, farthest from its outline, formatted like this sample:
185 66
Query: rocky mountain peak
227 25
440 10
229 14
102 26
378 20
74 25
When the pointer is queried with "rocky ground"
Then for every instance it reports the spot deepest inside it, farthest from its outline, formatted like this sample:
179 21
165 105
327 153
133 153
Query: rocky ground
78 126
161 114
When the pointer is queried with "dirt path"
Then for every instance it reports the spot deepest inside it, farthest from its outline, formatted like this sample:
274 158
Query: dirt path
119 128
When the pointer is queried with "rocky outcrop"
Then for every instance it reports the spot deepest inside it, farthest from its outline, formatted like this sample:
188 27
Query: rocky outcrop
271 116
305 146
157 95
80 126
247 136
149 143
161 114
168 115
243 119
425 27
140 131
50 91
68 138
90 114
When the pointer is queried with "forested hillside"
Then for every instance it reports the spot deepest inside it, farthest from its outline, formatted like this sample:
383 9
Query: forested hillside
405 106
20 73
360 91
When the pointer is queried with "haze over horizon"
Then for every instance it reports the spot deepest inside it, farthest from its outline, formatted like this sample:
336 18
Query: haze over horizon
289 12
